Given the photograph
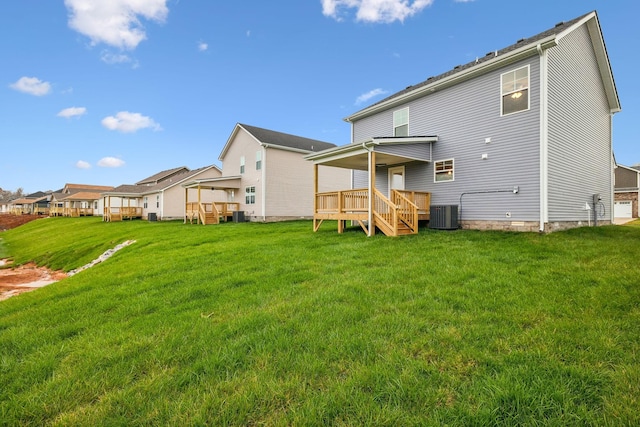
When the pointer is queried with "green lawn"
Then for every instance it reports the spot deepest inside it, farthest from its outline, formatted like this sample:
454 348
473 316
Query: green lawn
272 324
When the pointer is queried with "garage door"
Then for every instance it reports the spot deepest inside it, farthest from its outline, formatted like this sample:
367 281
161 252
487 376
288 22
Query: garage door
622 209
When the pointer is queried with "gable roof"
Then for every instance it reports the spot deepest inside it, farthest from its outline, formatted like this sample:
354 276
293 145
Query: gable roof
178 176
161 176
74 188
83 195
521 49
271 138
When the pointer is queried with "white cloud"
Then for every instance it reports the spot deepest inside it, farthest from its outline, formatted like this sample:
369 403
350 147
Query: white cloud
202 46
385 11
32 86
81 164
72 112
371 94
110 162
114 22
127 122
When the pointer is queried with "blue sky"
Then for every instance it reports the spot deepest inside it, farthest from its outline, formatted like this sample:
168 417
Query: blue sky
108 92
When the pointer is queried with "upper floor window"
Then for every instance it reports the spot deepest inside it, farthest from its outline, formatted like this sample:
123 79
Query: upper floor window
515 90
258 160
401 122
443 170
242 164
250 195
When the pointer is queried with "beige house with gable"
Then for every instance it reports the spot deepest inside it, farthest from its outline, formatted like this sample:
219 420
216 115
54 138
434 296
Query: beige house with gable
265 175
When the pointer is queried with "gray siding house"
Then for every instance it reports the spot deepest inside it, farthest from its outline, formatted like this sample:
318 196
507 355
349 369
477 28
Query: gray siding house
627 191
519 139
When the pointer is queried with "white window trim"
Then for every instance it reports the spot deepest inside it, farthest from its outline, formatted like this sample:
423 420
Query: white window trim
242 165
528 67
258 160
453 170
248 193
394 121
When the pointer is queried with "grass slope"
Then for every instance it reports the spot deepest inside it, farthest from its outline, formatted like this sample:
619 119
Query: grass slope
242 324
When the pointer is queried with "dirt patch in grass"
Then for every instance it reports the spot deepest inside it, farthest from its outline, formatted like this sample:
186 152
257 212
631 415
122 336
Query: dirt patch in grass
8 221
25 278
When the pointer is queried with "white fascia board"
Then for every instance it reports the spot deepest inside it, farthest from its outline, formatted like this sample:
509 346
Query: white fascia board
339 152
403 140
282 147
464 75
229 140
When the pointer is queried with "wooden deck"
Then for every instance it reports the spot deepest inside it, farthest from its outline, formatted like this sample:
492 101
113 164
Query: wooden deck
112 214
209 213
394 217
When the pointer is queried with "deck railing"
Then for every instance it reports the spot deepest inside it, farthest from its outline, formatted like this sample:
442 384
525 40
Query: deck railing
343 201
119 213
407 211
396 215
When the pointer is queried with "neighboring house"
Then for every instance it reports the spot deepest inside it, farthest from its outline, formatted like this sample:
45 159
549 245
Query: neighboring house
77 200
265 176
519 139
159 197
35 203
627 190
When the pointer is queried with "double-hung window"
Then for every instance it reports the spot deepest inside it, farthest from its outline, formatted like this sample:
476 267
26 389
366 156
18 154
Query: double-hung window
515 90
157 201
443 170
242 164
401 122
250 195
258 160
146 202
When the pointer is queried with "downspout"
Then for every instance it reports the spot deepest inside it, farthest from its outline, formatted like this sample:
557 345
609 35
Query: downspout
263 167
544 140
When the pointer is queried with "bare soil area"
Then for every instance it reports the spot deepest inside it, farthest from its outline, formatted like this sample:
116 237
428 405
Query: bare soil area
25 278
8 221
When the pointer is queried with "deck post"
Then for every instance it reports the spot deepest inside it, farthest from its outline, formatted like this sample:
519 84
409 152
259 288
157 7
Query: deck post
372 188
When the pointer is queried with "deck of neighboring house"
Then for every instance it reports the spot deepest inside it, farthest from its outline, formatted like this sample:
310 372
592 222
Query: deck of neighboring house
396 216
121 213
70 212
209 213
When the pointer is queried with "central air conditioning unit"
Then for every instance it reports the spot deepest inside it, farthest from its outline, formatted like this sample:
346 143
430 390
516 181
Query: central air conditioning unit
443 217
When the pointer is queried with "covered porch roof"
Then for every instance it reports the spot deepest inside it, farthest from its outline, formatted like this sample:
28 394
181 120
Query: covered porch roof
389 151
219 183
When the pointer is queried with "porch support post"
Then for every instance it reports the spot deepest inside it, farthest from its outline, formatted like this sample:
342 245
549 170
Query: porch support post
203 220
186 203
372 188
315 194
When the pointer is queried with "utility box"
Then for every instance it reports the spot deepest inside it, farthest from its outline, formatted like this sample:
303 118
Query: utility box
443 217
152 216
238 216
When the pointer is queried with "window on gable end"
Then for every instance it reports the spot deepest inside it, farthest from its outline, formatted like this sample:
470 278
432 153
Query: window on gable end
242 164
258 160
515 90
401 122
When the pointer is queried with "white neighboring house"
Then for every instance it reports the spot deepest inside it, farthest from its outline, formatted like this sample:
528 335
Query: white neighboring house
265 175
158 197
